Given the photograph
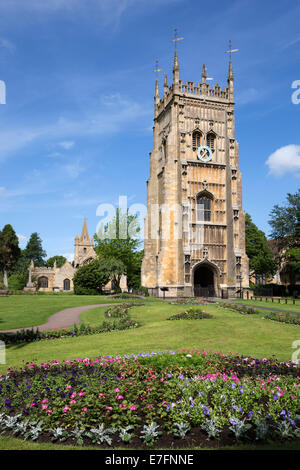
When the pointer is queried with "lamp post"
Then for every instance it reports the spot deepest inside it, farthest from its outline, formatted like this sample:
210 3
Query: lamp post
240 279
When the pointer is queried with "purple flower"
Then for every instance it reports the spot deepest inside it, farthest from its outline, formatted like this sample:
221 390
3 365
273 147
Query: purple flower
232 421
250 414
275 397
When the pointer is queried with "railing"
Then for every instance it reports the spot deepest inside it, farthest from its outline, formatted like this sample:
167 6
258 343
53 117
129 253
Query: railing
203 89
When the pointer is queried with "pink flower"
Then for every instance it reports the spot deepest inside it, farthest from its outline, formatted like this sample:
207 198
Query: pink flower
133 408
44 401
73 395
32 404
122 406
44 407
66 409
84 409
150 406
120 397
80 394
49 411
101 395
117 390
68 386
73 402
108 408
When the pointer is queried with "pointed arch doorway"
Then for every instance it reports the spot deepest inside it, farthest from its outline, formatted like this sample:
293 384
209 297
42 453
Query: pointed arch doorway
205 280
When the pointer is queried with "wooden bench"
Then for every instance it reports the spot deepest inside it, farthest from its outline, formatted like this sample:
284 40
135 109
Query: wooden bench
5 293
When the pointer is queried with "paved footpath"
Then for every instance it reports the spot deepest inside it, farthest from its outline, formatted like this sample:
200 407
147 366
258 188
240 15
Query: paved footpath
62 319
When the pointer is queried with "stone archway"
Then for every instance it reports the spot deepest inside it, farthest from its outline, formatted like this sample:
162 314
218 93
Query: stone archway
205 280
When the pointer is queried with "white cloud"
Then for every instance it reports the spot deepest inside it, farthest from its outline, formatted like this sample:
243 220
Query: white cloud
247 96
73 169
67 144
113 115
69 256
285 160
6 44
22 239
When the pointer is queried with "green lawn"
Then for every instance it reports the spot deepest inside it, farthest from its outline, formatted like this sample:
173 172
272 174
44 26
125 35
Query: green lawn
269 304
20 311
227 331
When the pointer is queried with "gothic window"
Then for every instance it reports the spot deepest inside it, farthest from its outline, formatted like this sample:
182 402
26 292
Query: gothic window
43 282
211 138
204 208
67 284
164 148
197 140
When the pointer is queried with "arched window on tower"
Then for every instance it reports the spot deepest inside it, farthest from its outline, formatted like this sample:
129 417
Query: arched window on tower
204 207
211 141
197 140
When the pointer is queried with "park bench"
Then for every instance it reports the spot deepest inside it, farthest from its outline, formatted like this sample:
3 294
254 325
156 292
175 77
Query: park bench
4 293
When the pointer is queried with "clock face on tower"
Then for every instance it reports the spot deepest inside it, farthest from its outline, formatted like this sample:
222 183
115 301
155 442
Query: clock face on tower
204 153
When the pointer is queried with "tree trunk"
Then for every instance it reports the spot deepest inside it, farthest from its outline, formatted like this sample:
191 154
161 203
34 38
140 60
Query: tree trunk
5 280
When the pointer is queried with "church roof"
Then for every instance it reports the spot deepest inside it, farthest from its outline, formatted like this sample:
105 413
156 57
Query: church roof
85 234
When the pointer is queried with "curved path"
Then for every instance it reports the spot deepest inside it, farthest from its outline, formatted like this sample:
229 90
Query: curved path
62 319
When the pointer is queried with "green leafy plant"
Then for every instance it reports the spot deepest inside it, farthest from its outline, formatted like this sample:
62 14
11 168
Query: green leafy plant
150 434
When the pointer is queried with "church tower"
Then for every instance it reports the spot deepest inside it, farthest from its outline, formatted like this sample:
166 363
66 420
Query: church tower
84 248
195 224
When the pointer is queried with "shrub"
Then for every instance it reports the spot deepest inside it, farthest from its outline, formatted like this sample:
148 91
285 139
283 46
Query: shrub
191 314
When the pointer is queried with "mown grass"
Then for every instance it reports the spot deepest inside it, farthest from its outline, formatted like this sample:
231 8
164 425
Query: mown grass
21 311
250 335
271 305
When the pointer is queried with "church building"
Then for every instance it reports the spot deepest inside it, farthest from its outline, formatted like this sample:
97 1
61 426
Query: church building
61 279
195 224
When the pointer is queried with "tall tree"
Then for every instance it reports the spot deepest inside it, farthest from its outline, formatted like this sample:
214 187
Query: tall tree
9 251
91 278
261 258
119 239
285 220
34 250
285 223
60 261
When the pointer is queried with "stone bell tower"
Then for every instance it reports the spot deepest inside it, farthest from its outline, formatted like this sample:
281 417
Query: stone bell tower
83 247
195 224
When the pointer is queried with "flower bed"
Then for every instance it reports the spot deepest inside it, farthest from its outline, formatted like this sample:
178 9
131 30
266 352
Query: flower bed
183 399
292 319
243 309
192 301
191 314
122 321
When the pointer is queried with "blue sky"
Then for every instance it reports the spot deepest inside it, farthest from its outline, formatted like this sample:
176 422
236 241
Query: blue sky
76 129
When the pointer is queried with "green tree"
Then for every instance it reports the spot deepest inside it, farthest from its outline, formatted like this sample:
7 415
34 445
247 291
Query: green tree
285 220
60 261
34 250
119 239
285 223
91 278
9 251
261 259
